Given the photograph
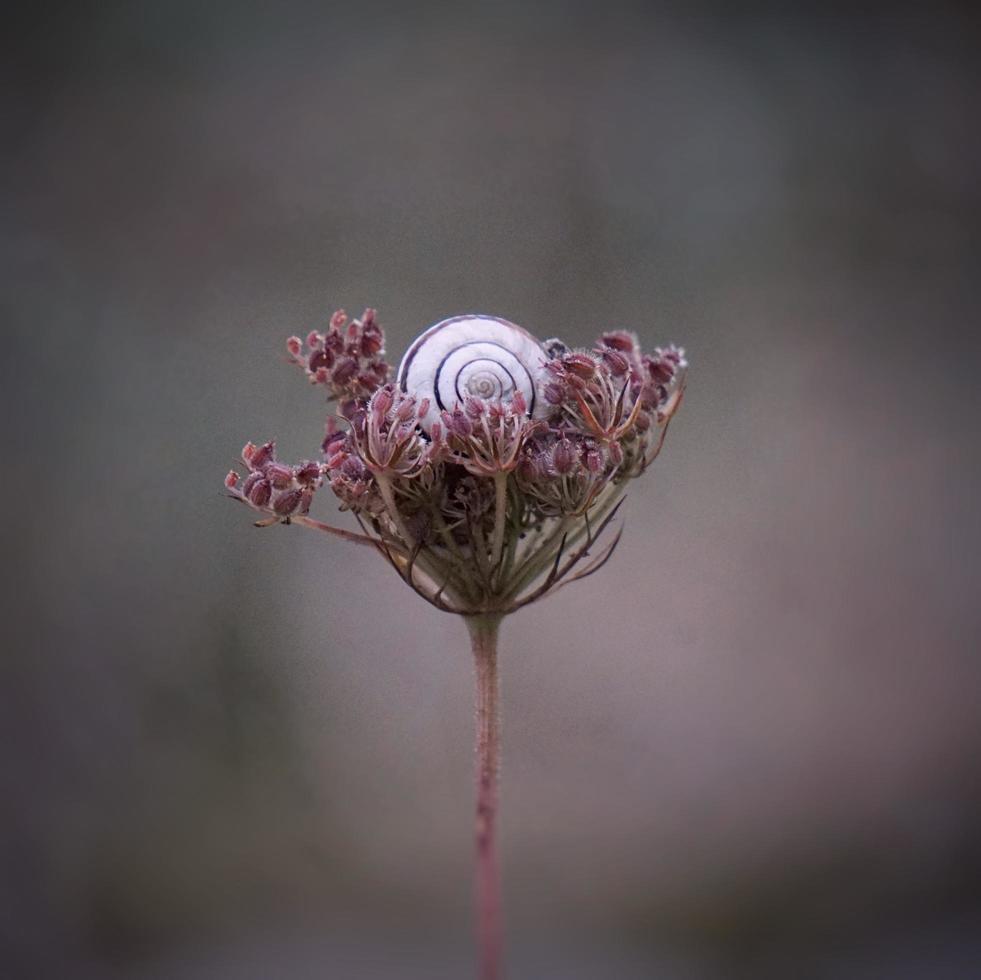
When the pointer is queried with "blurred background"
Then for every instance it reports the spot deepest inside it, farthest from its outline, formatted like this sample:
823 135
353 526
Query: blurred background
749 748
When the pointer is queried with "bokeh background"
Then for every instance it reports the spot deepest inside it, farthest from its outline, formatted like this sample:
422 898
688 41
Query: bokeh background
749 748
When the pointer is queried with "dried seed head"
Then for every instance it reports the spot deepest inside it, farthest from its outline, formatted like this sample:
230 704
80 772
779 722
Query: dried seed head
461 475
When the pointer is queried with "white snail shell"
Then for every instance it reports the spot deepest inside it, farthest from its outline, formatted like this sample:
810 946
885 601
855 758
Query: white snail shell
473 356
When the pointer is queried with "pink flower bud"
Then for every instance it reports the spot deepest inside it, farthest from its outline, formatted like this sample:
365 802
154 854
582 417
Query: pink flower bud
321 359
353 469
279 475
660 370
345 371
337 320
457 424
231 480
619 340
580 365
372 339
530 468
423 408
314 340
563 457
554 394
381 402
615 361
260 493
649 395
262 455
248 451
474 407
287 502
307 473
594 461
294 345
250 481
332 440
518 403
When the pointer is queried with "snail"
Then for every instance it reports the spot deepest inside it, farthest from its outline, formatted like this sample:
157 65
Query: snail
472 356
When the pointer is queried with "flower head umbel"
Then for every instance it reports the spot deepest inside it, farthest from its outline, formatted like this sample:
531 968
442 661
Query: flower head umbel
486 474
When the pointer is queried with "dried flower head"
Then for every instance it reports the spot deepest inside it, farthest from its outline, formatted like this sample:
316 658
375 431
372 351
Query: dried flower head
487 473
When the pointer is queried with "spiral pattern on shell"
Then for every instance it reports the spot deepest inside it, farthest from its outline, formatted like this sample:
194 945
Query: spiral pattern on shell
472 356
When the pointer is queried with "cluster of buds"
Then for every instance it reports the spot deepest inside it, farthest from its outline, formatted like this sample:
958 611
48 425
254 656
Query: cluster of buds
619 398
347 359
484 504
275 489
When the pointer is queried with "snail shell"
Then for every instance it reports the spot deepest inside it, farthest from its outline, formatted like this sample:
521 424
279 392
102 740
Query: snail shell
472 356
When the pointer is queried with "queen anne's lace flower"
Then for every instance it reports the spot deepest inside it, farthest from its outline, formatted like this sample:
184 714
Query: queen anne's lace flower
486 504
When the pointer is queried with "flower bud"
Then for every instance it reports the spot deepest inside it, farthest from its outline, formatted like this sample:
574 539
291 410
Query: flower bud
332 440
353 469
250 481
619 340
530 467
287 502
265 453
615 361
279 475
518 403
406 409
294 345
563 457
580 365
345 371
660 370
260 492
381 402
231 480
457 424
321 359
372 339
649 395
554 394
307 473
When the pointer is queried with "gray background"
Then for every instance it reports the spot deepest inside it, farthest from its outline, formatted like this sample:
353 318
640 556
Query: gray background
749 747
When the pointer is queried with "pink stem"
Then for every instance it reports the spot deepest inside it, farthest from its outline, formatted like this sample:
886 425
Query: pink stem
483 636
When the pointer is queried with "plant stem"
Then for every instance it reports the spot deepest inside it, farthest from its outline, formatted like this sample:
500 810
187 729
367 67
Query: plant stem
500 516
483 637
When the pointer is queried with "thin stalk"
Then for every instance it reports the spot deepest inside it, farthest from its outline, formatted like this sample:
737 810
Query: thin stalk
483 637
500 516
388 495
